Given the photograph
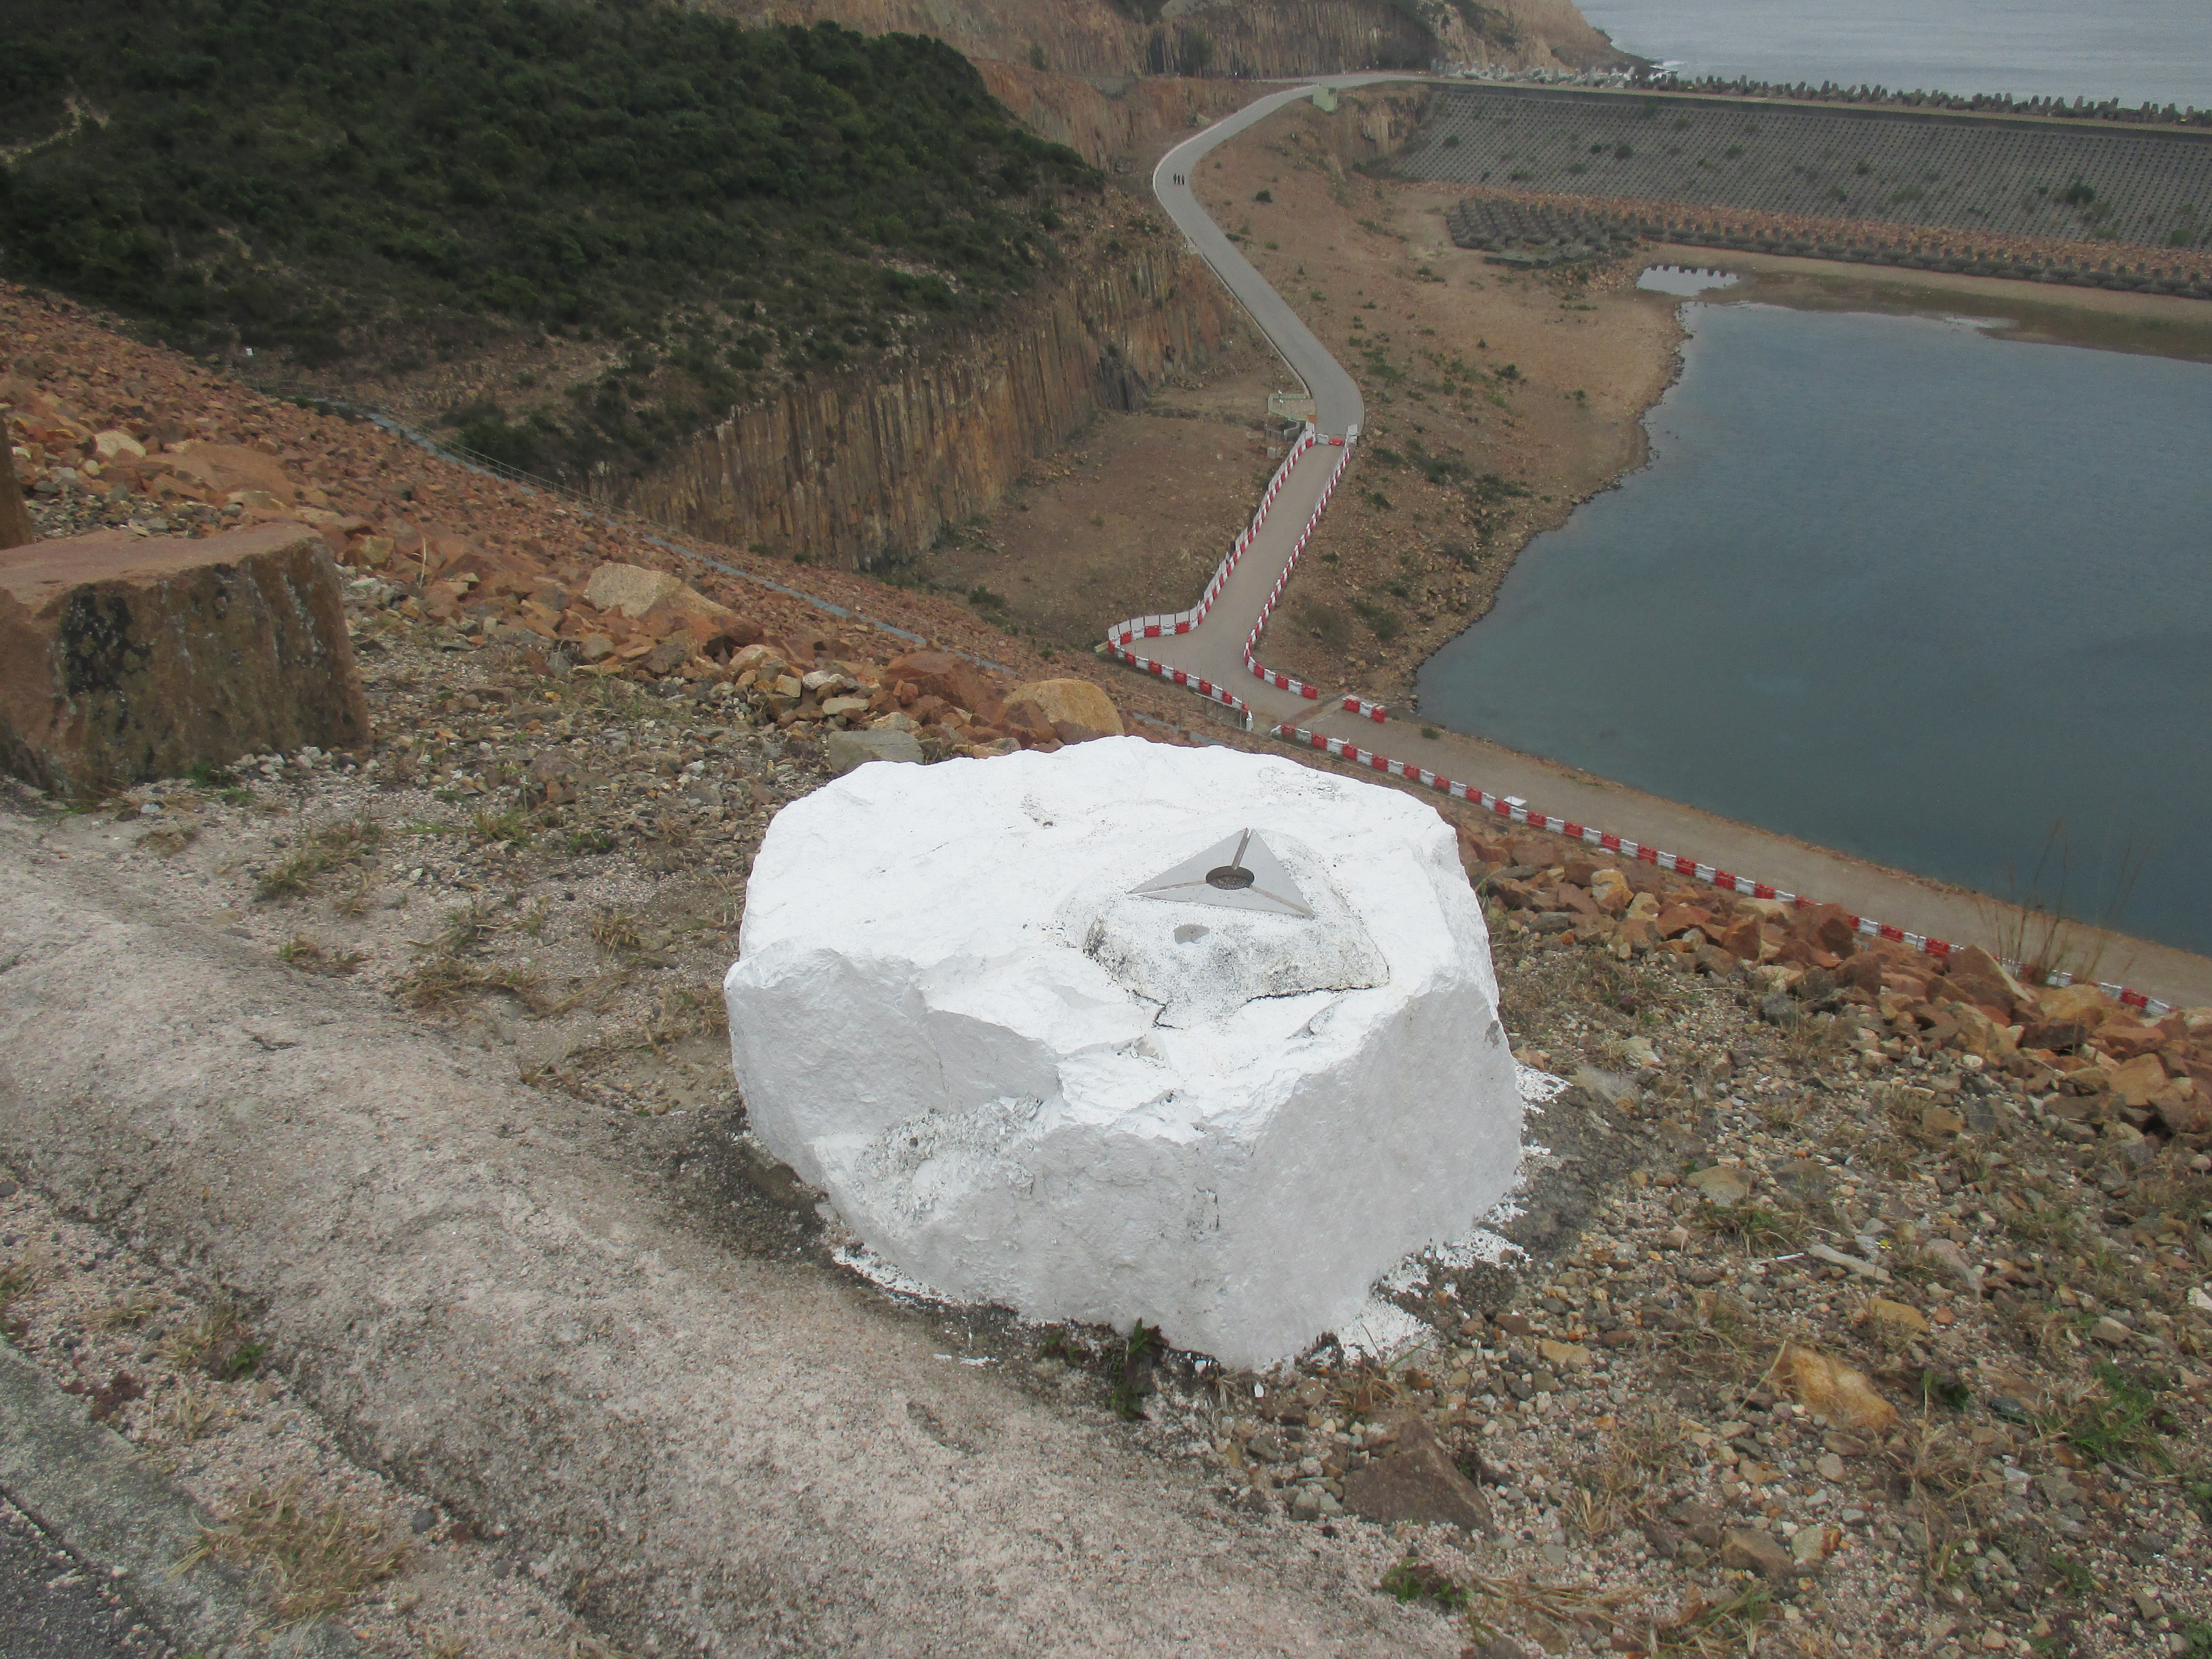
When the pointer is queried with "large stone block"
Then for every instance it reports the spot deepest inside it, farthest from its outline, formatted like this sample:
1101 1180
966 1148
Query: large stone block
1129 1032
124 657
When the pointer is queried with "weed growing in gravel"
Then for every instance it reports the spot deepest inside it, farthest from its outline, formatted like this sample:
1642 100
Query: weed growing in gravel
305 954
215 1341
439 980
1759 1228
1128 1398
21 1278
2113 1422
318 1558
325 848
1711 1630
507 829
1646 1453
354 902
1415 1580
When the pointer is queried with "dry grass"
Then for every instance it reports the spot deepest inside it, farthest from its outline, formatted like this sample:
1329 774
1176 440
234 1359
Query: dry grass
27 1273
167 840
131 1308
1725 1345
1730 1628
617 932
315 1556
439 982
354 902
1644 1453
188 1413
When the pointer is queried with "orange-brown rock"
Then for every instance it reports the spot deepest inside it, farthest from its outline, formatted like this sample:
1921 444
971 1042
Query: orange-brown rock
15 528
960 682
124 657
1070 701
225 467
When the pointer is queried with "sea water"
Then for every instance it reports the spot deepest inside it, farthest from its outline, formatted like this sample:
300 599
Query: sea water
2136 51
1900 586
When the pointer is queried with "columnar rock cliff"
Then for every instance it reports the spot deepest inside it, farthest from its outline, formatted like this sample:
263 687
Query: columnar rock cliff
862 470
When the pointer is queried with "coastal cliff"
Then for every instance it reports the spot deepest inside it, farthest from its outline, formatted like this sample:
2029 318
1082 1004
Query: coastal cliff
862 471
1253 40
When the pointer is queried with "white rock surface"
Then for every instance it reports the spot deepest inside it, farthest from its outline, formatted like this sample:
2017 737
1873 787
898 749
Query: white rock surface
1021 1084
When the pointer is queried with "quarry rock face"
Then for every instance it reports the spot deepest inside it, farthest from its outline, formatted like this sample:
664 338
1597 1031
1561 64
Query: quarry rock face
126 658
863 467
1042 1050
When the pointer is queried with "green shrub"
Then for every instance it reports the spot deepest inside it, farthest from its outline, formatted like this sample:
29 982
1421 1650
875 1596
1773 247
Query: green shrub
369 178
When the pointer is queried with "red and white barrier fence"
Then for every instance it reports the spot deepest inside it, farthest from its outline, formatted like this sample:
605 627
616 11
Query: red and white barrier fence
1709 875
1181 622
1358 705
1259 670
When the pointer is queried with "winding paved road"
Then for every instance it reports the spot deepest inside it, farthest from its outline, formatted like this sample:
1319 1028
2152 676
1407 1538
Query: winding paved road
1210 651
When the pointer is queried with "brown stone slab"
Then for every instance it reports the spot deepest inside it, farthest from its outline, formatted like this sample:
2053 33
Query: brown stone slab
124 657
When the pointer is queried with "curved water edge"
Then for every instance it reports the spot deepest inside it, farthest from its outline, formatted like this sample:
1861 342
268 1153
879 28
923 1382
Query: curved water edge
1897 586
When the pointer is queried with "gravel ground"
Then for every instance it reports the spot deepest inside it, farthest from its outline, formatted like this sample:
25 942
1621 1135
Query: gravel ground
2021 1291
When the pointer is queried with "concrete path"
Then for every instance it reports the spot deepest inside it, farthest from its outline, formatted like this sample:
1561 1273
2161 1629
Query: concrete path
1210 648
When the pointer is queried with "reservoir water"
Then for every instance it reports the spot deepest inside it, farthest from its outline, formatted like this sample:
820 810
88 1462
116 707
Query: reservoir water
2136 51
1899 586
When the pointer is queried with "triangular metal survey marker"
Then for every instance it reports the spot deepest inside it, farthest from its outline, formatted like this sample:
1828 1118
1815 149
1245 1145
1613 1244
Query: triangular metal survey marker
1239 873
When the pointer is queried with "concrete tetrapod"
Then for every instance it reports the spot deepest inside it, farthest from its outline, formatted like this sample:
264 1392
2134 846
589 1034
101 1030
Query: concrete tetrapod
1129 1032
540 1315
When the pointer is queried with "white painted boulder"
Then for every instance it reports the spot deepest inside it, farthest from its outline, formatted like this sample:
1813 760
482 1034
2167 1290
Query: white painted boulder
1223 1106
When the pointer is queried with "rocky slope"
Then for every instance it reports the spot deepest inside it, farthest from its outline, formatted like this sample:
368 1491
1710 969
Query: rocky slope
1862 1307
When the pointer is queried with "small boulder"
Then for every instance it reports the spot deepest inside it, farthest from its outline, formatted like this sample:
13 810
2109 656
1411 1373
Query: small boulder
1899 1316
2139 1081
629 588
1721 1185
844 750
1415 1479
1747 1550
126 657
1826 1385
1072 701
960 682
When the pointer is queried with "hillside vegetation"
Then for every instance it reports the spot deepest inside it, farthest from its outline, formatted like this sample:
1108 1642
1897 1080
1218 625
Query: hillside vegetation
370 180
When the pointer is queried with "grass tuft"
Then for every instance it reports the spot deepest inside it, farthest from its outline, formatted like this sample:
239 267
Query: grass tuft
215 1341
325 848
316 1557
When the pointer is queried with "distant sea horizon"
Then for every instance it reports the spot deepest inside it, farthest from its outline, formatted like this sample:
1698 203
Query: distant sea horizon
2157 51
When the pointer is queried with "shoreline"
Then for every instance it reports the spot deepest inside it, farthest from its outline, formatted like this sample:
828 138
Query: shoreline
2165 326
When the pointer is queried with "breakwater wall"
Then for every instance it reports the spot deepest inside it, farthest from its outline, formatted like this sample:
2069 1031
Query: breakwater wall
863 469
1514 229
1898 176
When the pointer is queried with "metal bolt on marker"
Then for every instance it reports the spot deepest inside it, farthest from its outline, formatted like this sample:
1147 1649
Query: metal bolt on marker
1240 872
